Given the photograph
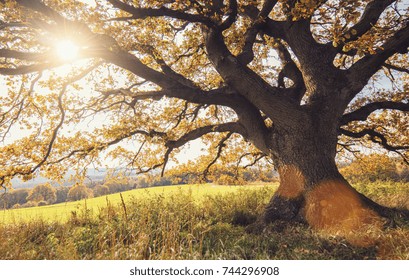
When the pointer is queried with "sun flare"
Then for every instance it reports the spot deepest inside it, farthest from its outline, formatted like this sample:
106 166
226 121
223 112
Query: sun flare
66 50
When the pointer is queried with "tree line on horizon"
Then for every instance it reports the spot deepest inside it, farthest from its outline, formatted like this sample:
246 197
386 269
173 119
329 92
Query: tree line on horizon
370 168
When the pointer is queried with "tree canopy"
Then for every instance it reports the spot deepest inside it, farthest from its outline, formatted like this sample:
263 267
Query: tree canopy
81 78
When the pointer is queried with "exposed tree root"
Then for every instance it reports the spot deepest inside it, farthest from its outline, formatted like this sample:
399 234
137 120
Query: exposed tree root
333 208
393 216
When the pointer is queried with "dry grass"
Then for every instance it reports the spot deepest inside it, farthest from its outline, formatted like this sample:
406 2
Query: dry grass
178 225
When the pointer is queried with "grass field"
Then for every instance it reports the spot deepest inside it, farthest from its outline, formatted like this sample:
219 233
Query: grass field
186 222
63 211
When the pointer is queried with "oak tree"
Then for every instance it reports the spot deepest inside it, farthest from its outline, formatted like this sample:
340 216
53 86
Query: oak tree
288 81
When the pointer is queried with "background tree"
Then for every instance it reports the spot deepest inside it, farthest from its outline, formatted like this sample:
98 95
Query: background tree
376 167
43 192
13 197
289 81
100 190
78 192
62 194
118 183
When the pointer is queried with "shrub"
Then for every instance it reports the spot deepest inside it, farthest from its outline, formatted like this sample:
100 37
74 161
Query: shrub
16 206
29 204
42 203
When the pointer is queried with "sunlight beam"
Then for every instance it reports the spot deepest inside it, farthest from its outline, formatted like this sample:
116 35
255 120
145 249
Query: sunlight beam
66 50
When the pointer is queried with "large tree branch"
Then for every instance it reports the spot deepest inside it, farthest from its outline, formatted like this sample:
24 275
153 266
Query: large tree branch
234 127
291 71
141 13
21 70
231 18
362 113
365 68
251 86
247 54
222 96
39 6
378 138
368 19
272 28
6 53
315 59
4 25
248 115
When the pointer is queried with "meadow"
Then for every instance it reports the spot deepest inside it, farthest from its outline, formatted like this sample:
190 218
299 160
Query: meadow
63 211
186 222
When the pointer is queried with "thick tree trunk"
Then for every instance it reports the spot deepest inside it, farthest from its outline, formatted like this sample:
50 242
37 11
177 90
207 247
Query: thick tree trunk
330 204
312 190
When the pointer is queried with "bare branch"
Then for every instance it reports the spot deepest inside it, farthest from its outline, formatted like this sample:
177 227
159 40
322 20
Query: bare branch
103 145
257 158
396 68
220 147
55 131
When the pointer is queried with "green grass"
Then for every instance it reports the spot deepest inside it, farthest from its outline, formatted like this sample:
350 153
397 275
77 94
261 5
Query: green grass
63 211
182 222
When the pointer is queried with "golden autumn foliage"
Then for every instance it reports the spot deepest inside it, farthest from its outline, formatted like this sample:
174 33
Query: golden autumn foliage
78 192
43 192
74 115
376 167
